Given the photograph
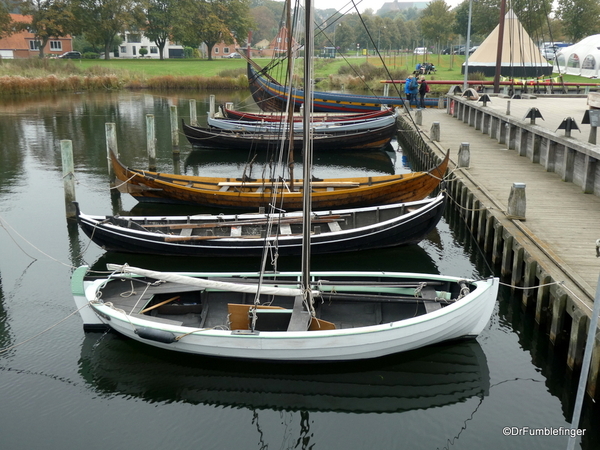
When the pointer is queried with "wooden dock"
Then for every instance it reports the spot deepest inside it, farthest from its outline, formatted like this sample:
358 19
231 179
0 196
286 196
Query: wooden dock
551 254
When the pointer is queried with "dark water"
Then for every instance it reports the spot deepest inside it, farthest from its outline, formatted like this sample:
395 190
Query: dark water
66 390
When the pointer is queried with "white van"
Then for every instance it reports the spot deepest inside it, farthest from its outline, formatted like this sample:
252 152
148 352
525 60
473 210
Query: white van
420 51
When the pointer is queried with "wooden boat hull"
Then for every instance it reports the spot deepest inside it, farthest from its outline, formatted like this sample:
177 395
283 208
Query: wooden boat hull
317 118
270 96
367 139
243 235
333 193
102 302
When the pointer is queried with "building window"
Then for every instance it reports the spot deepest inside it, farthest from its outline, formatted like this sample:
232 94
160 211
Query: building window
123 49
226 50
154 50
34 45
56 46
216 49
133 49
135 38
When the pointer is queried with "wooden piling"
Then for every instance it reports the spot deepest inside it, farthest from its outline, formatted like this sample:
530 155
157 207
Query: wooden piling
174 129
435 131
110 130
193 113
517 202
151 142
66 152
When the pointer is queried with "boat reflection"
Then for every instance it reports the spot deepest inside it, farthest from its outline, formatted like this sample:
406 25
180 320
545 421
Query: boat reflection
408 258
430 377
379 162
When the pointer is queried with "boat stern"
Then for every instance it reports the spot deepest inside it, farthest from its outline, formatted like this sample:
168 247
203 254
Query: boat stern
91 321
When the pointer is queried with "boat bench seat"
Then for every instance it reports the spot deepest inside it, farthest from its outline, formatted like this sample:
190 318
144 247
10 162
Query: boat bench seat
285 229
334 226
186 232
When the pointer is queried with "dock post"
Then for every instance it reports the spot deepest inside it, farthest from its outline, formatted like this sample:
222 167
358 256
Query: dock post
517 202
151 142
435 131
66 152
464 155
577 339
508 107
193 113
441 102
558 305
110 131
419 117
211 107
174 129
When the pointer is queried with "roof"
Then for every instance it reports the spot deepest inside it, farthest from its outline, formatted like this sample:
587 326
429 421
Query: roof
517 46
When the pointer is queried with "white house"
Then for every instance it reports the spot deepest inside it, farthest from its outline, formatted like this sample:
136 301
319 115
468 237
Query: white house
134 41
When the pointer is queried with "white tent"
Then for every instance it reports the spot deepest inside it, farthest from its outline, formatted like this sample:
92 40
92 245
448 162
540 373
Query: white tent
581 59
520 56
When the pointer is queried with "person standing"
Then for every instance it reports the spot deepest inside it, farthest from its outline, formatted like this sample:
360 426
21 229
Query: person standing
423 90
414 90
407 88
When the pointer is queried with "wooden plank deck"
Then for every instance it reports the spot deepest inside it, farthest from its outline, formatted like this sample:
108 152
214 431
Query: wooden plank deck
558 214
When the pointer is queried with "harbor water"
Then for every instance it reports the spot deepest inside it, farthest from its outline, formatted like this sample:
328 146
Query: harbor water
63 389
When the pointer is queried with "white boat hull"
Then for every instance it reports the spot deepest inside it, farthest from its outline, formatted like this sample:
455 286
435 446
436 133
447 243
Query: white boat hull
465 318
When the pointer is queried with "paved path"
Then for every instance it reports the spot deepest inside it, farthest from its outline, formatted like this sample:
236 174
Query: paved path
558 214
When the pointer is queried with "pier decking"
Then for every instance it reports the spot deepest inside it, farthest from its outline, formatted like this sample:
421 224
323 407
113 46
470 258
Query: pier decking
557 240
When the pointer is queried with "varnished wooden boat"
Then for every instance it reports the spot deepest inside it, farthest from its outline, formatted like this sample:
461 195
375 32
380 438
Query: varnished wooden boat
367 139
251 194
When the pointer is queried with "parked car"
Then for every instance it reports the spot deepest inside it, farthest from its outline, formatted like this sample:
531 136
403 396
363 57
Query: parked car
420 51
71 55
233 55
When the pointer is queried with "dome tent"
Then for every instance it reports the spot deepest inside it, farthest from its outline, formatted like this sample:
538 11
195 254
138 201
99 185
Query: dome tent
520 56
582 58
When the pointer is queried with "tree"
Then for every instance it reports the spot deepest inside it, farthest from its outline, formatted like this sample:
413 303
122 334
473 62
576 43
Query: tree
436 22
212 21
102 20
580 17
6 22
49 19
161 18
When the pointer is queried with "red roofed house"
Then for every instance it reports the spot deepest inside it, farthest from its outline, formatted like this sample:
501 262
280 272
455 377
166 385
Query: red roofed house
23 44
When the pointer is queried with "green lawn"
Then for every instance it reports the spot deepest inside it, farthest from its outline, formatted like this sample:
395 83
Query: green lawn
448 66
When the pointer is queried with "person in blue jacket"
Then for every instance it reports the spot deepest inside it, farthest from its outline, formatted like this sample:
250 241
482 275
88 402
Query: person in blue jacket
411 89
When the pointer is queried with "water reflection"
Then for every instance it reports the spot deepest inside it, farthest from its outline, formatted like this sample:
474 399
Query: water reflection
422 379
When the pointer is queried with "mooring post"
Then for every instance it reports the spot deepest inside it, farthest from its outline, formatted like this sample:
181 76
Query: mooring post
464 155
419 117
151 141
110 131
193 114
211 107
508 107
517 202
66 152
435 131
174 129
441 102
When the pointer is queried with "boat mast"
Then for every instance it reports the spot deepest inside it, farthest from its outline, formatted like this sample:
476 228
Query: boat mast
499 49
290 104
307 148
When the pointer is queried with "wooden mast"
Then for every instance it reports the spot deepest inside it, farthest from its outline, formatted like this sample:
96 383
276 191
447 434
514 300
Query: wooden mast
500 42
307 149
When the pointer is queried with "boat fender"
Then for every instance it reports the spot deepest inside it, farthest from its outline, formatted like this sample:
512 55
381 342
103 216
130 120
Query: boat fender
166 337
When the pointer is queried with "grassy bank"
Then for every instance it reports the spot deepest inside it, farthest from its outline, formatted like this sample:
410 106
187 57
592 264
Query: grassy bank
351 72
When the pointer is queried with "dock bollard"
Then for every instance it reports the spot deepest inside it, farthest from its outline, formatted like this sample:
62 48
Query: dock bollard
464 155
193 113
517 202
435 131
419 117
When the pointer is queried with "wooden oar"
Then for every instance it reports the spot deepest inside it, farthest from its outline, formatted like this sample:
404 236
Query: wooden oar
159 304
